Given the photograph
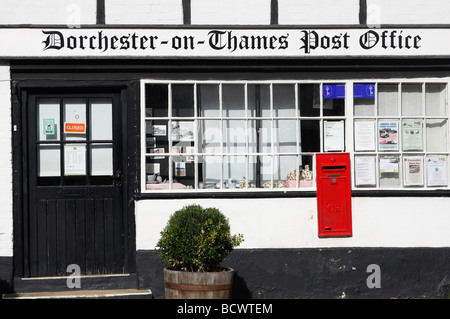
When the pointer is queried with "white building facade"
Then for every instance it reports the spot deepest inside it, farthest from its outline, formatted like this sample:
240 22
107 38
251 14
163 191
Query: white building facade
229 103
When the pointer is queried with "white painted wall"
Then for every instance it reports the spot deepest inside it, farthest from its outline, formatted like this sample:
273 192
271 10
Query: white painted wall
143 12
233 12
408 12
65 12
6 217
292 222
318 12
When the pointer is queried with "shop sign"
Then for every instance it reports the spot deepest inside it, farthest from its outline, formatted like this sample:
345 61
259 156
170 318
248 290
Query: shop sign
222 42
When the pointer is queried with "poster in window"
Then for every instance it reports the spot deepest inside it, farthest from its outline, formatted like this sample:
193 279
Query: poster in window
333 136
364 135
388 135
412 137
437 171
74 159
365 171
49 126
413 171
389 165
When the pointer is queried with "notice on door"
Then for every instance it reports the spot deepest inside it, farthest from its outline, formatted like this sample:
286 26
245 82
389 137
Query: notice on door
74 159
78 128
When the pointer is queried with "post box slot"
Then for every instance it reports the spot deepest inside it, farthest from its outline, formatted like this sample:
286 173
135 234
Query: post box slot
334 168
333 175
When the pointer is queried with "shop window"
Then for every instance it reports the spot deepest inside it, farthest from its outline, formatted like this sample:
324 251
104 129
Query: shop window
401 135
238 135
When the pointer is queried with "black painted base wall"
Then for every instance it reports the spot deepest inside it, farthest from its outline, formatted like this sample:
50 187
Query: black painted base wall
6 275
324 273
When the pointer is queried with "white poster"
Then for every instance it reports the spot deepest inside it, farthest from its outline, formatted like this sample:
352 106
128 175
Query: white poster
388 165
333 136
437 171
365 170
364 135
74 159
413 171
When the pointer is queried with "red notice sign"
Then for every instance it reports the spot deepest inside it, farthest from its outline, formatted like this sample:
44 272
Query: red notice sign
74 128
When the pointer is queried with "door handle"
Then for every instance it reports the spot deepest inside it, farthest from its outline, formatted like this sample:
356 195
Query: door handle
117 178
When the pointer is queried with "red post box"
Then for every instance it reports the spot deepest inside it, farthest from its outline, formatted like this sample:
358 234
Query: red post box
334 194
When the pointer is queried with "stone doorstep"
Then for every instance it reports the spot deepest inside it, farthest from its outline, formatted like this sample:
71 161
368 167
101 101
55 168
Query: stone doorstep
84 294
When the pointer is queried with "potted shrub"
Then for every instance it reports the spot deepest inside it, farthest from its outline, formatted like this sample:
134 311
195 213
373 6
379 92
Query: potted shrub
194 243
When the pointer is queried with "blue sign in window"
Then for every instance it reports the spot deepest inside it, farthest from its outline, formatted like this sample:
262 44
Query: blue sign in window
362 91
334 91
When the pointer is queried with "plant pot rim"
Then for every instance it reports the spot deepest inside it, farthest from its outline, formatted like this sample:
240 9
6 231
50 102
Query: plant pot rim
223 269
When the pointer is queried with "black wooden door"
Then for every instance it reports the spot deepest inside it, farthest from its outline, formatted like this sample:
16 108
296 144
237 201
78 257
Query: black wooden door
75 212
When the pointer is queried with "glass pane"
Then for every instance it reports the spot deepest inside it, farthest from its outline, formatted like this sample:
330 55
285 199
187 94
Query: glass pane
234 170
283 168
259 138
285 140
74 119
309 99
284 100
210 136
48 120
156 99
260 172
309 136
157 173
334 99
258 100
389 168
388 99
211 172
436 135
49 160
101 160
183 100
183 173
234 136
364 99
233 100
157 130
208 100
101 119
412 99
435 99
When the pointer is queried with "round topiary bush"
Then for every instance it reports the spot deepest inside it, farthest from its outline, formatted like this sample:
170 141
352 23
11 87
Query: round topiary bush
196 239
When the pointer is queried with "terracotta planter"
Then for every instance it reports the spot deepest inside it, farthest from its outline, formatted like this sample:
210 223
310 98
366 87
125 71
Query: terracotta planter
198 285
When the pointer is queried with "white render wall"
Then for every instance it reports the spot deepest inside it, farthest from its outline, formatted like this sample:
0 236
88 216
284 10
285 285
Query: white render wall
292 222
408 12
143 12
235 12
64 12
218 12
6 216
318 12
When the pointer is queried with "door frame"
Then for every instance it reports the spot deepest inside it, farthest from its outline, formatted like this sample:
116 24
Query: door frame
129 97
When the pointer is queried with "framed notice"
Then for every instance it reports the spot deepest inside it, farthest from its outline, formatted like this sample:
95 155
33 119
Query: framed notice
437 171
333 132
388 135
413 171
364 135
365 170
74 159
412 137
